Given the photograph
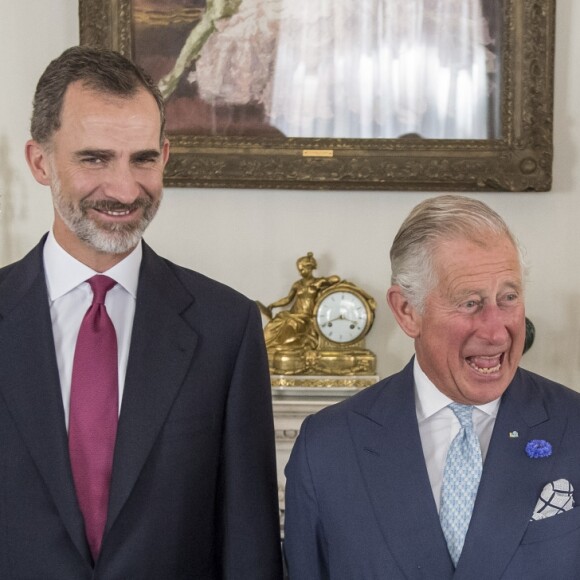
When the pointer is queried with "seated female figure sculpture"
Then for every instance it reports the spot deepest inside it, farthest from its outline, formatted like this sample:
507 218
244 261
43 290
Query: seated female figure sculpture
294 328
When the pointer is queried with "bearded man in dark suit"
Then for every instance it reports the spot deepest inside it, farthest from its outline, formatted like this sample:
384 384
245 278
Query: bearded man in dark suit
171 473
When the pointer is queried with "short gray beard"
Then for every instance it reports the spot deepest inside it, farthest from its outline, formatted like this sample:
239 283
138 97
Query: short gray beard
113 239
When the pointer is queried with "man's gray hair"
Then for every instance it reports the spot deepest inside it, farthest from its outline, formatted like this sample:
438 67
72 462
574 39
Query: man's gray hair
431 222
104 71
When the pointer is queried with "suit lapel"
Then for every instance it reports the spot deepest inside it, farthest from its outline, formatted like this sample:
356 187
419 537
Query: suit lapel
30 385
511 481
391 459
162 347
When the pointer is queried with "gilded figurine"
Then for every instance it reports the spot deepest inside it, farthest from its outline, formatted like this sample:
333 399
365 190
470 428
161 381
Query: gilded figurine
294 328
297 344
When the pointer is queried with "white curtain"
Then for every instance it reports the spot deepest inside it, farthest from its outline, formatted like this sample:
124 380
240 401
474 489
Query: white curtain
358 68
382 68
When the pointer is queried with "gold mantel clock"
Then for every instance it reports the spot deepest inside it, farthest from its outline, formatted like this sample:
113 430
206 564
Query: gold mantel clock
343 315
322 333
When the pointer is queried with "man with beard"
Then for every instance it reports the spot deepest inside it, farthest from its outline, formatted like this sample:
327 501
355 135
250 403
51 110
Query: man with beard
136 433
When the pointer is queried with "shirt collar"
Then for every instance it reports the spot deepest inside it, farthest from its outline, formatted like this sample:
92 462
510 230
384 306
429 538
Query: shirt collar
64 273
430 400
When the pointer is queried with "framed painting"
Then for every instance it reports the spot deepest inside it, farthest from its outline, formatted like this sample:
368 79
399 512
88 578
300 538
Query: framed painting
336 94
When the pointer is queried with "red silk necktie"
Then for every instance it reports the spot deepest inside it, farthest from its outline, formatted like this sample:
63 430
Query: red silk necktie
94 412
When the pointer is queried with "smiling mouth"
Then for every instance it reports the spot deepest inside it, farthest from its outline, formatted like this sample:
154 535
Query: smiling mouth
118 213
485 365
115 209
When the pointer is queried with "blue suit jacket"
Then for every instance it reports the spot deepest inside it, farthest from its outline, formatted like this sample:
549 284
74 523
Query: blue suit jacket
359 505
193 491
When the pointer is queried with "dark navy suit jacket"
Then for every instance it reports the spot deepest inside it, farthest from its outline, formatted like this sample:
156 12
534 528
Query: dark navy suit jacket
193 492
359 505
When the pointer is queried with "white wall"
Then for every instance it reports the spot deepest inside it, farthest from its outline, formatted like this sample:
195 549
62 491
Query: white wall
251 239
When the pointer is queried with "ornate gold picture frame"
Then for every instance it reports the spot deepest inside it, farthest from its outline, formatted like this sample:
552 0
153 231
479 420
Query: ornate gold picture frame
520 159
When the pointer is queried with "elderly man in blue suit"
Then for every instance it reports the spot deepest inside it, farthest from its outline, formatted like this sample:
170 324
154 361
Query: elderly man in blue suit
462 465
136 440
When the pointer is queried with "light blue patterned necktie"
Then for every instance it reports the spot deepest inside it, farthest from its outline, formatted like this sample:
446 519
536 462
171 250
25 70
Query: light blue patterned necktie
460 481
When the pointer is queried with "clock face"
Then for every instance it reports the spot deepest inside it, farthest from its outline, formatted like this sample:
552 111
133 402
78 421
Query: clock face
342 317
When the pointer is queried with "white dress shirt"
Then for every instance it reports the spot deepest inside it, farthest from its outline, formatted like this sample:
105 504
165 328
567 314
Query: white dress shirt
438 426
70 296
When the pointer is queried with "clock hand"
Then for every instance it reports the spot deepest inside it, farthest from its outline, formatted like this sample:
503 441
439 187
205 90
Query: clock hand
341 317
329 322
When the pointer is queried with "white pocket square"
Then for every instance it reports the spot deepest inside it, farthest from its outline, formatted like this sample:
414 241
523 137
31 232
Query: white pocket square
556 498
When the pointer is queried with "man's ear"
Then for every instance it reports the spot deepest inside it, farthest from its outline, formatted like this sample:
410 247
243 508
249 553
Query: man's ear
405 313
37 159
165 151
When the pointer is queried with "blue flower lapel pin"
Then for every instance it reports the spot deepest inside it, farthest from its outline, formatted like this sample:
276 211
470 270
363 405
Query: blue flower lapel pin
538 448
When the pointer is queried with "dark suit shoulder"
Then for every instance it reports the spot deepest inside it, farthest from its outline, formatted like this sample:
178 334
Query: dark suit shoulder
5 271
555 395
369 402
211 301
213 309
203 286
30 263
19 277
